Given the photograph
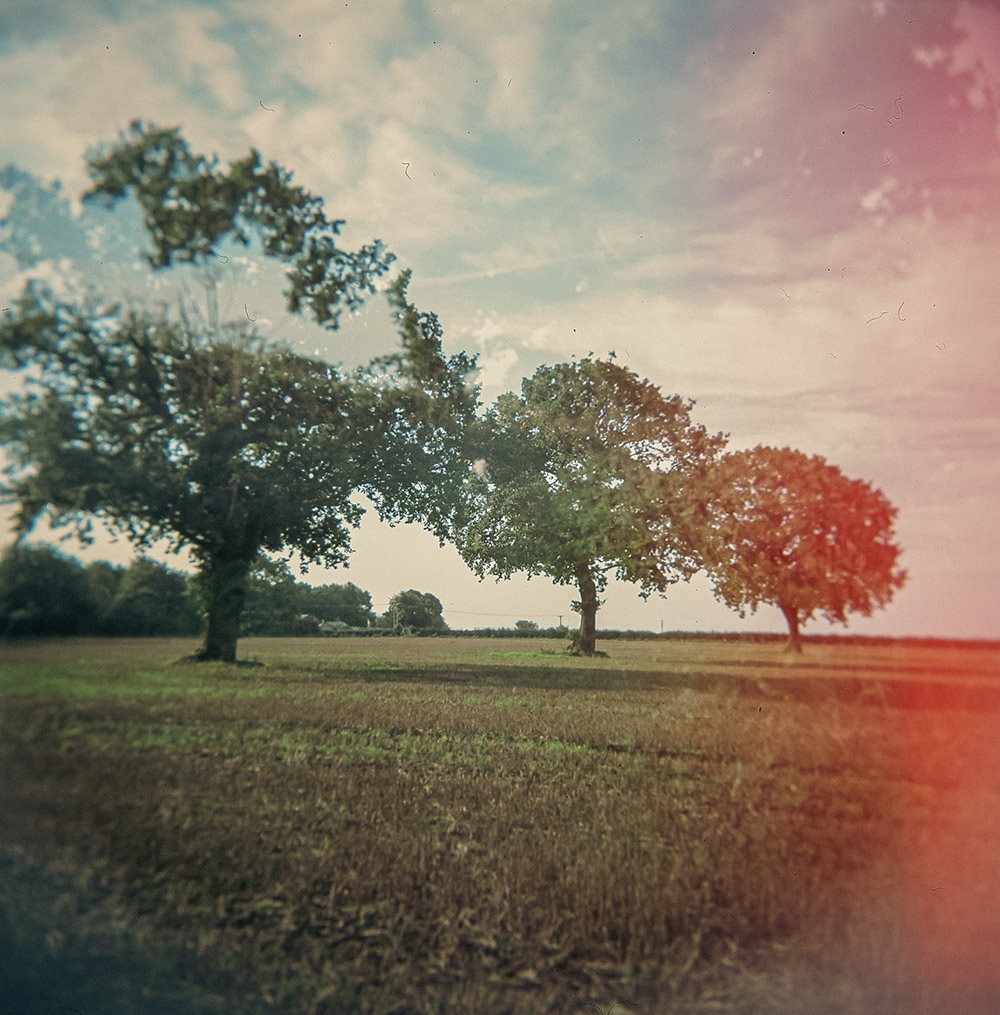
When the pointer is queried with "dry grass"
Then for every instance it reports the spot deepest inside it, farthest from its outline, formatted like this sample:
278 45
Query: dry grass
463 826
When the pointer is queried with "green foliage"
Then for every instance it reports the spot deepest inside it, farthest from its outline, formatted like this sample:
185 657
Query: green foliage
103 582
411 611
346 603
220 445
590 472
209 437
152 600
275 602
189 205
417 407
43 592
272 599
791 530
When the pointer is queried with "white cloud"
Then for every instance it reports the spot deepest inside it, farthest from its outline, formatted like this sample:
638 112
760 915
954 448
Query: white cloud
412 206
507 195
164 66
329 49
541 337
877 199
515 62
191 43
495 368
931 57
435 88
746 84
485 331
978 56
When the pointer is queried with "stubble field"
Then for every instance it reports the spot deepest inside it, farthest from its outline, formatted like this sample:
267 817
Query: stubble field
440 826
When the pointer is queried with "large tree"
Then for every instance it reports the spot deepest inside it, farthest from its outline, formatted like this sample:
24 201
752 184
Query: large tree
201 432
591 471
793 531
415 611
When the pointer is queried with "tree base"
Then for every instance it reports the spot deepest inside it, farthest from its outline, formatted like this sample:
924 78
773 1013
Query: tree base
576 650
201 657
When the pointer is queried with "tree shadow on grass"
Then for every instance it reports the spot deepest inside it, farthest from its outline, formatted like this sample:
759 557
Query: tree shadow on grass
52 960
852 690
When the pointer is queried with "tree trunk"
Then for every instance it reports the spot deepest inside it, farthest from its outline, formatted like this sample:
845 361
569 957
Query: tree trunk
794 643
586 641
223 592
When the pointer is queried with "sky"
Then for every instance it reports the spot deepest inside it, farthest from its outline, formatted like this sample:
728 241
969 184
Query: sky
788 212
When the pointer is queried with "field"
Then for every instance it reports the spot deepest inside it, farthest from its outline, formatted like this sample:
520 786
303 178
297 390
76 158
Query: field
404 826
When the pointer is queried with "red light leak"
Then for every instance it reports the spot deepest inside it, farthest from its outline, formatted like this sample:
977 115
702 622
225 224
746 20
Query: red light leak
950 852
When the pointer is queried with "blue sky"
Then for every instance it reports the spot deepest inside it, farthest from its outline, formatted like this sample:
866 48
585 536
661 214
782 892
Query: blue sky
786 211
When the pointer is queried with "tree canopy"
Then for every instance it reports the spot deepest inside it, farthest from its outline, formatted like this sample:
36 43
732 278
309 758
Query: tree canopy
190 205
151 600
208 436
170 424
792 531
272 599
591 471
45 592
346 603
415 611
276 602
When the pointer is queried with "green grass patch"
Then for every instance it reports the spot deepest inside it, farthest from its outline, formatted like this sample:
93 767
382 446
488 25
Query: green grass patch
546 654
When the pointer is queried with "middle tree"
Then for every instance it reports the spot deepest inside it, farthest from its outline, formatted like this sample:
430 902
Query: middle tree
590 472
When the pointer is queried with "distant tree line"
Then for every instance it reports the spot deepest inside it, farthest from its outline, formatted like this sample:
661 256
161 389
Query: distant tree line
46 592
275 602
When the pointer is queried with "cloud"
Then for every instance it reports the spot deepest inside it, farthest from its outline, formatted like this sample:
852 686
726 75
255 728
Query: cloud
878 198
508 195
163 64
515 57
495 369
978 58
930 57
327 50
485 331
